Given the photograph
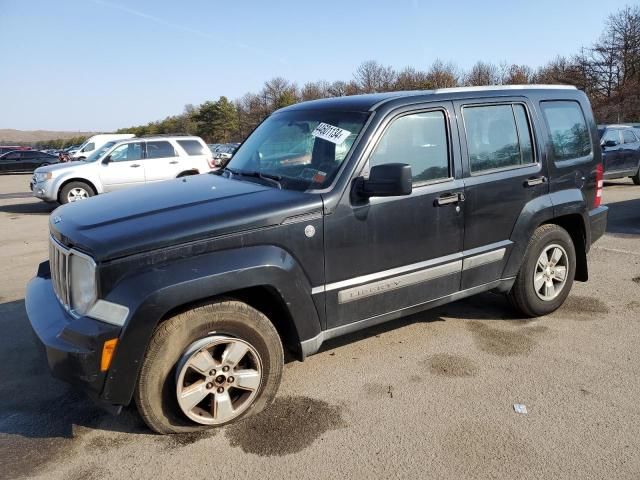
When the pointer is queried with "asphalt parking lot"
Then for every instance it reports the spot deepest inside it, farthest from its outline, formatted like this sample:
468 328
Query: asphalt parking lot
429 396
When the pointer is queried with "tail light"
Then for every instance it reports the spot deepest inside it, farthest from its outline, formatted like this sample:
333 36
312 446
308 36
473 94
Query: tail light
599 184
211 162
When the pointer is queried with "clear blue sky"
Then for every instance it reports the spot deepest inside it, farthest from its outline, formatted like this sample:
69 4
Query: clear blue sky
105 64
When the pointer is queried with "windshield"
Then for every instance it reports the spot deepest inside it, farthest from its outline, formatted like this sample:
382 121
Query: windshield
303 149
99 153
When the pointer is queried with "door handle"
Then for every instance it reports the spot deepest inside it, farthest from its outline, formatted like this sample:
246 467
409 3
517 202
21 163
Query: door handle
135 165
449 198
173 162
532 182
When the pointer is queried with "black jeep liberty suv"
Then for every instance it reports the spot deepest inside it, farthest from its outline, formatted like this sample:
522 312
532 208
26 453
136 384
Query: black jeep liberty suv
334 215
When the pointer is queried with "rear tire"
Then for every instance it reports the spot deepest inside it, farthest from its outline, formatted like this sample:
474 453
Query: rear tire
173 349
75 191
544 282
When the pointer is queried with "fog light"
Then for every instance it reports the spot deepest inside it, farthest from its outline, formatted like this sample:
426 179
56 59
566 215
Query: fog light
107 354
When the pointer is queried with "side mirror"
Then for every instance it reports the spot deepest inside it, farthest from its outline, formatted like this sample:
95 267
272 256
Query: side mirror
388 180
609 143
106 159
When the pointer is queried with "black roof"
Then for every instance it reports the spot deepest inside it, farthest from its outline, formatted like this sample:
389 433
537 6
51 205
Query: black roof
369 102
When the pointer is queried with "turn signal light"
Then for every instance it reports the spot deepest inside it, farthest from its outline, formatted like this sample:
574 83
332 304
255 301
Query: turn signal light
107 354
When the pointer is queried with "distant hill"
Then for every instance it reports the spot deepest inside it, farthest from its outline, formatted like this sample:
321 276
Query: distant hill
8 135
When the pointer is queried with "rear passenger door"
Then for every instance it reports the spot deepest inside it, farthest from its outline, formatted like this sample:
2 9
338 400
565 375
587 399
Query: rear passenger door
162 161
502 173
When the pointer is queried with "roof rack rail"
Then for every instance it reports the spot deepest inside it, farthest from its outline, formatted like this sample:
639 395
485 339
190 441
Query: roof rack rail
165 135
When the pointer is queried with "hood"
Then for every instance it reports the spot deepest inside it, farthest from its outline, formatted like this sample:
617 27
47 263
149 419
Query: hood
162 214
59 166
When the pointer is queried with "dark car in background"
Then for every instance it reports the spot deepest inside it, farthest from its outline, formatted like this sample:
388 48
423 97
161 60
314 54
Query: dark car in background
25 160
620 151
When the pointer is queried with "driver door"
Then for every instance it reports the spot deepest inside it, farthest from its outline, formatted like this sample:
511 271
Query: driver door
125 167
385 255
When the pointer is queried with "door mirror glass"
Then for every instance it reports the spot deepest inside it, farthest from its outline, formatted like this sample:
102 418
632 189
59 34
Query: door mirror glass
386 180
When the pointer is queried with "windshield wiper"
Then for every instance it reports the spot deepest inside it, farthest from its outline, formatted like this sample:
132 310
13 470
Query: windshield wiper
269 177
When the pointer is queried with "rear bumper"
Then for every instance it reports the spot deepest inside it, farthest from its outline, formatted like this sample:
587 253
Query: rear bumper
598 222
73 346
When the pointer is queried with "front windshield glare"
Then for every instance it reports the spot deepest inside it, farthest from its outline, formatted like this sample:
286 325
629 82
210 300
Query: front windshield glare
304 149
99 153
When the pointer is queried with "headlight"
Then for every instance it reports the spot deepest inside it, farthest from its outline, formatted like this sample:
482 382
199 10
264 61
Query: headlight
42 176
83 283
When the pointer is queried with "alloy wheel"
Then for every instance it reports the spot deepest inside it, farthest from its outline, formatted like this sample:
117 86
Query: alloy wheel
76 194
550 275
217 379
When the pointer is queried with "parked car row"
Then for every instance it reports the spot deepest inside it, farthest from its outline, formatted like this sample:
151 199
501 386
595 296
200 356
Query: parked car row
222 152
119 164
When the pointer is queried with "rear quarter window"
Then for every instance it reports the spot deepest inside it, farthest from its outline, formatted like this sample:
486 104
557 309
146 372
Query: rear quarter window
193 147
568 131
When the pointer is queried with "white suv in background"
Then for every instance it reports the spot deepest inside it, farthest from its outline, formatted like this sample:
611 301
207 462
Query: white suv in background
96 142
122 164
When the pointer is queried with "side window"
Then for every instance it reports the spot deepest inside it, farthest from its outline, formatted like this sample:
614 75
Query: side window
13 156
89 147
193 147
160 149
568 129
127 152
420 140
498 136
611 135
628 136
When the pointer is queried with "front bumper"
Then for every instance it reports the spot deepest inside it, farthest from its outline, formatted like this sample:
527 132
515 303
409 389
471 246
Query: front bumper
73 346
598 222
43 190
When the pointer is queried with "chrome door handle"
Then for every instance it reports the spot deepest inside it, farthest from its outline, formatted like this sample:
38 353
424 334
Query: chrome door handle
449 198
173 162
135 165
532 182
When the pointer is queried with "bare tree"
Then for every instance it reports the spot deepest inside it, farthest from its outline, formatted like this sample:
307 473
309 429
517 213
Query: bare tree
371 77
443 75
411 79
517 75
315 90
482 73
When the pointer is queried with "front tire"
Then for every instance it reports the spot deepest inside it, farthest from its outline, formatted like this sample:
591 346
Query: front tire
209 366
75 191
636 177
547 272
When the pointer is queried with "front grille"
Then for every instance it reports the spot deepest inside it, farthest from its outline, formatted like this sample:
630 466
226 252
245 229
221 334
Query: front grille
59 264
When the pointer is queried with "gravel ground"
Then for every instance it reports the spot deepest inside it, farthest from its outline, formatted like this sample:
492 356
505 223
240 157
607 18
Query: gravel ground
430 395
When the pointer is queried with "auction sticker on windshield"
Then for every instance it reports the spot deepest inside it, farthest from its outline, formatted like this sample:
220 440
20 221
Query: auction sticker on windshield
330 133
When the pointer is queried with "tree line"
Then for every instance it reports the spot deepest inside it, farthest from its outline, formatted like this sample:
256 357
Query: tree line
607 70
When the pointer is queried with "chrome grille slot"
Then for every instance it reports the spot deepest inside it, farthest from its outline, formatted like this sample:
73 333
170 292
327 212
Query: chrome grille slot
59 265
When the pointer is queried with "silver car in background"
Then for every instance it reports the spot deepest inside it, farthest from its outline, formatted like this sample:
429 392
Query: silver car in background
122 164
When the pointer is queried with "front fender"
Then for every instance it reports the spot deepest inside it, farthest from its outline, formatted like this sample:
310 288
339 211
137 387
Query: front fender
76 175
153 293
